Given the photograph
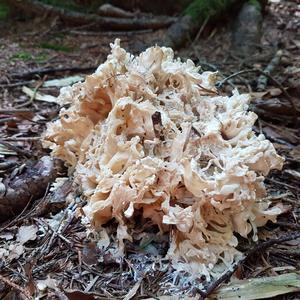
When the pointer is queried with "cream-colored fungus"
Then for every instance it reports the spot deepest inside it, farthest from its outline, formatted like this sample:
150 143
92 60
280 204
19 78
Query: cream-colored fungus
150 133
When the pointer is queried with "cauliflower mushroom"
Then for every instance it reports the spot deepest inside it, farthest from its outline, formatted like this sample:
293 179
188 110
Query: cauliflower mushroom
151 133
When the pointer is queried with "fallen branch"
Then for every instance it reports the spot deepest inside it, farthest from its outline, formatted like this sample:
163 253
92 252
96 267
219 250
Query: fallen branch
29 185
73 17
255 250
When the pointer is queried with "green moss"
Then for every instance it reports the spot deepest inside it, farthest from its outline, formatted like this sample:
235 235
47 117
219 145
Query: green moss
255 3
25 56
4 11
41 57
56 47
199 10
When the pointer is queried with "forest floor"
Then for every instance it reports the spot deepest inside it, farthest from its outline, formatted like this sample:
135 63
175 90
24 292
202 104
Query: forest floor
67 262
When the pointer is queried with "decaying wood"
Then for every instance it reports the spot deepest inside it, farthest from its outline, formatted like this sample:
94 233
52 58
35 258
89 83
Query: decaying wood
31 184
78 18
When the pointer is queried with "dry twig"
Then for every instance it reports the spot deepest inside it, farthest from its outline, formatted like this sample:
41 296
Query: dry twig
33 95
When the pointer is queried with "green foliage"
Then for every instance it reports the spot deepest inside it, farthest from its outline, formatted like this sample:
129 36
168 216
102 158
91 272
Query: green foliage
199 10
4 10
56 47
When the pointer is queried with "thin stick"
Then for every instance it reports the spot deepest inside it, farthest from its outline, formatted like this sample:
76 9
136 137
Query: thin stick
257 249
33 95
14 84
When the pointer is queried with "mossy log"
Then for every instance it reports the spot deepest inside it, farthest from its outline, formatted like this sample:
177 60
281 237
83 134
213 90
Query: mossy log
194 15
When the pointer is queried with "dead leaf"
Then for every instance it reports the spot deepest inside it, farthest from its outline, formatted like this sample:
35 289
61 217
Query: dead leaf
27 233
15 251
38 96
270 92
259 288
51 283
63 81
